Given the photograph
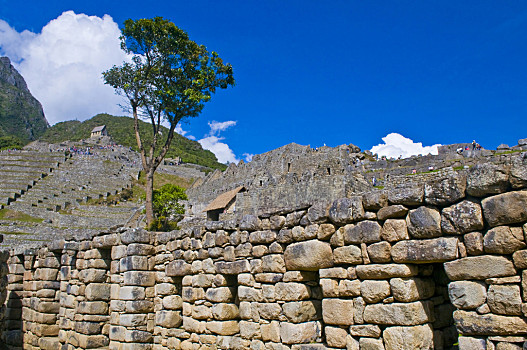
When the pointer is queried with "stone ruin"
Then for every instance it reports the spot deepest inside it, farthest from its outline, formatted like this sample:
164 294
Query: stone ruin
434 262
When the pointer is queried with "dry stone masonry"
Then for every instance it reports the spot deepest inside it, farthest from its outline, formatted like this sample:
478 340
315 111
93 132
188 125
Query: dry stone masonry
439 264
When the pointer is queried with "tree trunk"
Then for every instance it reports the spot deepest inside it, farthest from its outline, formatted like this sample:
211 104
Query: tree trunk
149 196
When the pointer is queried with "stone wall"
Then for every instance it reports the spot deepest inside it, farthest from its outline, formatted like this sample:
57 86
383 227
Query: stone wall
422 267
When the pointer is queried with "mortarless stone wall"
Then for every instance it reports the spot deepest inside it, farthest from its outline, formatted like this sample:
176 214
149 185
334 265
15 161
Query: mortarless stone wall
419 266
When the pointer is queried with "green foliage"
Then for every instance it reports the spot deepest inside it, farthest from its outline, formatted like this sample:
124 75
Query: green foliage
167 208
10 142
21 114
121 129
166 200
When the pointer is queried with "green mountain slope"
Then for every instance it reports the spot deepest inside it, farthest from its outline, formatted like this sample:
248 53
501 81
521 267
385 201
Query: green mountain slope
21 115
121 129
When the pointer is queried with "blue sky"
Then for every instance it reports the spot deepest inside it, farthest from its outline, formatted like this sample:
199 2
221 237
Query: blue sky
338 72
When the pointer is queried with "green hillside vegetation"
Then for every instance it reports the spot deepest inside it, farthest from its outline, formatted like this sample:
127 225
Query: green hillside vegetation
21 115
121 129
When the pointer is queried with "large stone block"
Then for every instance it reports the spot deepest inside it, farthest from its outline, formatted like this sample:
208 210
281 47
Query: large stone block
392 212
467 294
407 194
337 311
97 291
426 250
374 291
424 222
399 314
416 338
348 255
300 333
363 232
232 268
139 278
462 217
506 208
479 268
308 256
168 319
394 230
291 291
178 268
412 289
346 210
503 240
302 311
471 323
384 271
487 178
223 327
505 299
447 190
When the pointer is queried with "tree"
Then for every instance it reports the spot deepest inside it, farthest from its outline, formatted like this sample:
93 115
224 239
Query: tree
169 78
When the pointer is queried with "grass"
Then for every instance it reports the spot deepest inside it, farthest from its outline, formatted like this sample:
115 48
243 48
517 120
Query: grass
14 233
8 214
509 152
425 172
379 187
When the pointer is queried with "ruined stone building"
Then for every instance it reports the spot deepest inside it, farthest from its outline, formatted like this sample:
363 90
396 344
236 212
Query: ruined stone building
435 261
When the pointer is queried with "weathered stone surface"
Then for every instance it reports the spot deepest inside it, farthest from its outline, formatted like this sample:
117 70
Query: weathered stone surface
178 268
291 291
503 240
302 311
473 243
417 337
168 319
505 299
471 343
462 217
487 178
337 311
447 190
392 212
479 267
397 314
520 259
467 294
374 291
346 210
380 252
223 327
318 212
383 271
506 208
371 344
394 230
426 250
347 255
336 337
365 330
374 200
250 223
308 256
232 268
407 194
412 289
97 291
471 323
424 222
364 232
300 333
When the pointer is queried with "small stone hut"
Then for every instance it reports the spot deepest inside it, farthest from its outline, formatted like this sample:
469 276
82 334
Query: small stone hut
99 131
224 203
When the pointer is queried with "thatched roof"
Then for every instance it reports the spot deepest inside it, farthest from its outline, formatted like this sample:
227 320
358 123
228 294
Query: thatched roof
223 199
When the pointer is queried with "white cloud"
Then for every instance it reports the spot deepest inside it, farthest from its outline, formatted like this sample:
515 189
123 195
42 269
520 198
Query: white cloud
396 145
212 142
182 132
62 64
248 156
217 127
222 151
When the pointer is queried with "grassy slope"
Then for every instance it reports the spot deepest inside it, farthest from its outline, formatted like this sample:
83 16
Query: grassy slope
121 129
